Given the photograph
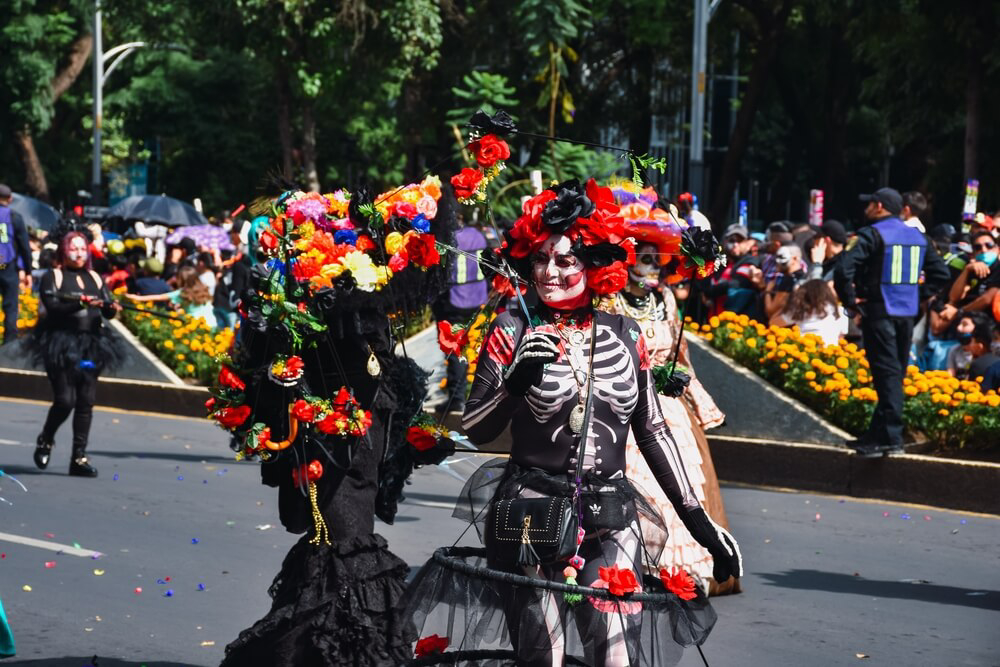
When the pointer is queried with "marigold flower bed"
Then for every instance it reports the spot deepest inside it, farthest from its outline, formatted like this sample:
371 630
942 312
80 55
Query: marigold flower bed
27 313
836 382
188 346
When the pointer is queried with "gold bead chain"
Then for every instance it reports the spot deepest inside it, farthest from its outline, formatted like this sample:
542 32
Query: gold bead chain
322 534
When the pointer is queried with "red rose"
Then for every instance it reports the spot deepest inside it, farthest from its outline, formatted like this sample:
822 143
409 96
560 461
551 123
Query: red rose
397 263
489 150
329 424
466 181
210 403
679 583
421 249
620 581
303 411
269 242
527 234
232 417
405 209
263 437
430 646
227 378
532 208
293 366
607 279
420 439
450 339
602 197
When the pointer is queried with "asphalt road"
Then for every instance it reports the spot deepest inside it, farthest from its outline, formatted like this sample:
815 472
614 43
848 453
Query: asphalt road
830 581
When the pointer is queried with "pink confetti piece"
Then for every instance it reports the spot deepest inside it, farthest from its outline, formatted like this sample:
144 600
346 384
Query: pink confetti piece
49 564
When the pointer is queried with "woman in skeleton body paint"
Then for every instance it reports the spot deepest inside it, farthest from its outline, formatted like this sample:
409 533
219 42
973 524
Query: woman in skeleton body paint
534 378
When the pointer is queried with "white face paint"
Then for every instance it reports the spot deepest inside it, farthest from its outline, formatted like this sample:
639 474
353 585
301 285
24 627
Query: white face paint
560 277
76 253
646 271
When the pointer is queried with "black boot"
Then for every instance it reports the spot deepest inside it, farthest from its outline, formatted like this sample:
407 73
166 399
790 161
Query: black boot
79 467
43 451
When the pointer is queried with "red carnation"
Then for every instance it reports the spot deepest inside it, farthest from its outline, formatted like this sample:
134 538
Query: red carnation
602 197
620 581
430 646
303 411
450 339
293 365
329 423
232 417
227 378
466 181
210 403
421 249
420 439
679 583
607 279
489 150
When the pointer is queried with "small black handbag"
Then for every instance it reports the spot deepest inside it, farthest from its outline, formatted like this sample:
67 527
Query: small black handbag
539 531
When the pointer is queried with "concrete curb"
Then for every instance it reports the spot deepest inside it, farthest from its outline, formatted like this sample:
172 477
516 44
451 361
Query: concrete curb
913 478
139 395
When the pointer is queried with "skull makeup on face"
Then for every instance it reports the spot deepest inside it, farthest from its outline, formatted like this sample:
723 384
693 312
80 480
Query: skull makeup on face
560 277
77 253
646 271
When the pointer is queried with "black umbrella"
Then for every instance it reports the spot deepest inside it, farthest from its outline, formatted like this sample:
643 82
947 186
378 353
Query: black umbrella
36 213
157 209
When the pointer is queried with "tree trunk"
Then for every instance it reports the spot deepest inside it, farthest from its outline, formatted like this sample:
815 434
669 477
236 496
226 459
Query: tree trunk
973 114
79 53
284 124
309 147
770 32
34 175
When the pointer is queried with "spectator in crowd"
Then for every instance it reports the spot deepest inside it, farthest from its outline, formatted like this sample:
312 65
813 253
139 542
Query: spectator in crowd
191 295
979 281
179 254
791 273
813 308
983 223
959 356
777 235
941 236
687 206
15 262
914 210
149 282
879 278
826 249
736 287
802 234
985 366
206 270
234 278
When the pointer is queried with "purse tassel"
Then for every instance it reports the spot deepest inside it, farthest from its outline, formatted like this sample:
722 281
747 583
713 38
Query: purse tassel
526 555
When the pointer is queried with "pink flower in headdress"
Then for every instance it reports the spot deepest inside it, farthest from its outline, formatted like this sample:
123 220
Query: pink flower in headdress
427 206
312 208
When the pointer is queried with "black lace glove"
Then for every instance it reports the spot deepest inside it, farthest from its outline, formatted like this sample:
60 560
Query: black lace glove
534 351
726 557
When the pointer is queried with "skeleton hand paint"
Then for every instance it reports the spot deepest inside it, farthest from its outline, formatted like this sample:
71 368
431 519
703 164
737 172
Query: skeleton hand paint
560 277
537 348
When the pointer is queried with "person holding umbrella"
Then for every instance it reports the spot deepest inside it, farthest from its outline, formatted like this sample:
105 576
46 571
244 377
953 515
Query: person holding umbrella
14 246
74 345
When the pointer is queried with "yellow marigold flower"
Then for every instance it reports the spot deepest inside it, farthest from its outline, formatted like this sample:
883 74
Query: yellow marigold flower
190 368
842 363
708 336
169 344
910 391
810 375
751 343
943 412
180 357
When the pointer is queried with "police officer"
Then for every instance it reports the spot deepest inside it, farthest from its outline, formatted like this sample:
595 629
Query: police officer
883 278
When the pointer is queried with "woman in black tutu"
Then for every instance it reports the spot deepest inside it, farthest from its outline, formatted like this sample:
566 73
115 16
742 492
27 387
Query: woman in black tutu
316 392
562 374
74 344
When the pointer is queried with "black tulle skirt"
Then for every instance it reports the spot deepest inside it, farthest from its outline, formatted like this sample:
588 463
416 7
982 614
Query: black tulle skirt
333 606
522 616
68 349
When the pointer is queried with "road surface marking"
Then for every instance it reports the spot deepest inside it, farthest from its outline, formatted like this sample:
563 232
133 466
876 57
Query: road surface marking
424 503
13 443
51 546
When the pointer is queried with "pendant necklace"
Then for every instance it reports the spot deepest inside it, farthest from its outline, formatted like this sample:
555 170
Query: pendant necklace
577 414
643 315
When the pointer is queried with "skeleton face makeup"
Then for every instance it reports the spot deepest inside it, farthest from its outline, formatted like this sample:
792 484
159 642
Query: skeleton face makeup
76 253
646 271
560 277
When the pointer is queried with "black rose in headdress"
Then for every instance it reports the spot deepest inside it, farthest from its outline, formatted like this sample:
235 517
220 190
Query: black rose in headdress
599 254
700 243
361 198
571 202
670 383
500 124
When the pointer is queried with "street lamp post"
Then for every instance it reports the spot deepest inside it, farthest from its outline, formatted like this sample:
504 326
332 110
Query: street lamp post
704 10
100 58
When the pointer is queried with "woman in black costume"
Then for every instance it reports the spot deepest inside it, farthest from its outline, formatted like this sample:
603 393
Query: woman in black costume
74 344
534 378
317 392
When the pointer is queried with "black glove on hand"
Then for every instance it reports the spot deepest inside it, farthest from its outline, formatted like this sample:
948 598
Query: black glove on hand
726 557
534 351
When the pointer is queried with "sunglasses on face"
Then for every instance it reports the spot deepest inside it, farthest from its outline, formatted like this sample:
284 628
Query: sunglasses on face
983 246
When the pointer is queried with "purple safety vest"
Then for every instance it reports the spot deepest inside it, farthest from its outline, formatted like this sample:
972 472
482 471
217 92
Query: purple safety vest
8 253
902 261
469 288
